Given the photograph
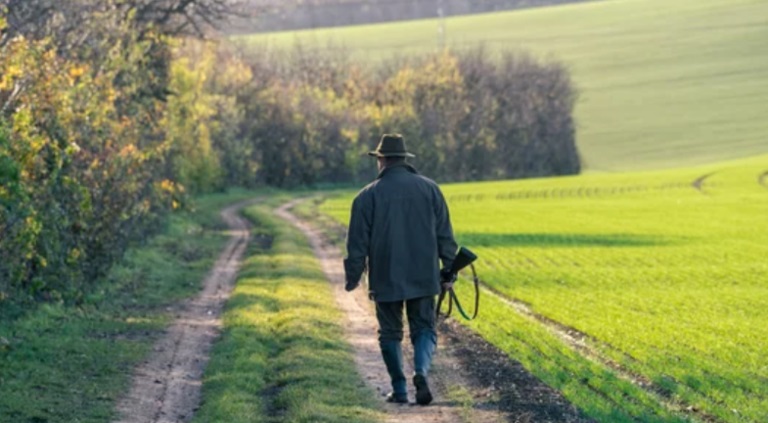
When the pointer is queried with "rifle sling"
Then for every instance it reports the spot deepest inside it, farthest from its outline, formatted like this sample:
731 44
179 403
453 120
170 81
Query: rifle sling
454 299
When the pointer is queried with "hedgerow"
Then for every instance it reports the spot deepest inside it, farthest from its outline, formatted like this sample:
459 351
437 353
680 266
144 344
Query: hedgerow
310 118
82 158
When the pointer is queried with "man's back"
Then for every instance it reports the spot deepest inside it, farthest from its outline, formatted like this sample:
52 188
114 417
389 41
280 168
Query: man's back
400 222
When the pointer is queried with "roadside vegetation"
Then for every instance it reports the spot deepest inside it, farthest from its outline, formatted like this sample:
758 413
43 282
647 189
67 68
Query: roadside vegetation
67 363
639 295
112 114
661 84
281 357
94 151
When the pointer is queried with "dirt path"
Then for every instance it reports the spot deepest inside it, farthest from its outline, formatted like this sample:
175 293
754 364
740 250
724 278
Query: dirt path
166 387
473 381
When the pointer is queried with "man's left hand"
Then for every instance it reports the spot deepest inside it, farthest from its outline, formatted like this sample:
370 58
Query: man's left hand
447 278
350 286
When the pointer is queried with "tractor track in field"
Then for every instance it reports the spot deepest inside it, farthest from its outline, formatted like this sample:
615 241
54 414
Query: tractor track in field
762 179
698 183
473 380
166 387
590 347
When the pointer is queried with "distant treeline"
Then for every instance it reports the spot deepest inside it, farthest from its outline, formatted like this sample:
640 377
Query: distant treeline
283 15
110 115
306 119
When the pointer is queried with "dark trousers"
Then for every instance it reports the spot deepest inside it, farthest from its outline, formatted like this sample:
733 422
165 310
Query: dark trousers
421 322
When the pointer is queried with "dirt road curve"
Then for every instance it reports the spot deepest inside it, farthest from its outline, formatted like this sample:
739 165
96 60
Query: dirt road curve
166 388
473 381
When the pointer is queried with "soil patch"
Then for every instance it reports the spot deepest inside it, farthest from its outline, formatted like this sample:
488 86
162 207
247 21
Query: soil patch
505 383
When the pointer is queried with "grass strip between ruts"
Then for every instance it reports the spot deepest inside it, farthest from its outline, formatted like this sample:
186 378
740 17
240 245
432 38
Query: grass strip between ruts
281 356
71 363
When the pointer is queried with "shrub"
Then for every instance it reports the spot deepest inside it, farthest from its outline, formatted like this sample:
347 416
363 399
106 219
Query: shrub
82 162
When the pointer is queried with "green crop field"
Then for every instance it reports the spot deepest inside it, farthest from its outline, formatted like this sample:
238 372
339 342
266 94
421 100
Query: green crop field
663 274
662 83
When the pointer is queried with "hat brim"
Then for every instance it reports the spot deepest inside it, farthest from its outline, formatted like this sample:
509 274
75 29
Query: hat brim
380 154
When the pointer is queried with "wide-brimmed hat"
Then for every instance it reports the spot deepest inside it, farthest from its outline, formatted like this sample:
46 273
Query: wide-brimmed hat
391 145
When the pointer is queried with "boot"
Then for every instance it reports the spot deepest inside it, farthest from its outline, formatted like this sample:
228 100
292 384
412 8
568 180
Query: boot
423 394
424 344
392 354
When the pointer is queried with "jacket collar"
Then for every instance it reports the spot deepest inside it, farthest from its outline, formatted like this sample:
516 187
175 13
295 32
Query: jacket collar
402 167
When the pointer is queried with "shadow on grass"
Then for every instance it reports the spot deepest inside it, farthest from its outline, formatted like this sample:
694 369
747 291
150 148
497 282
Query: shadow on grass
296 271
264 303
546 240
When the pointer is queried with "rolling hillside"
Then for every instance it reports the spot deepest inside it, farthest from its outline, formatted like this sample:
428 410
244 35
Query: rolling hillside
662 83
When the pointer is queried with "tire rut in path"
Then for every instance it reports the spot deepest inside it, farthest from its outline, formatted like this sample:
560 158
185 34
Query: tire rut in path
478 393
166 387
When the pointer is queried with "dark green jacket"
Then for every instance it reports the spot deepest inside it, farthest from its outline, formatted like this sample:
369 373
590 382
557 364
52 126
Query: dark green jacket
400 228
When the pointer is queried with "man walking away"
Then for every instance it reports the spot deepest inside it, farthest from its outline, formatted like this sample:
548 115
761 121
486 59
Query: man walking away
400 230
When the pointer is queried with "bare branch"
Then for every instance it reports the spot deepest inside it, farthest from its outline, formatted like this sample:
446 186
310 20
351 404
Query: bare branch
60 20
